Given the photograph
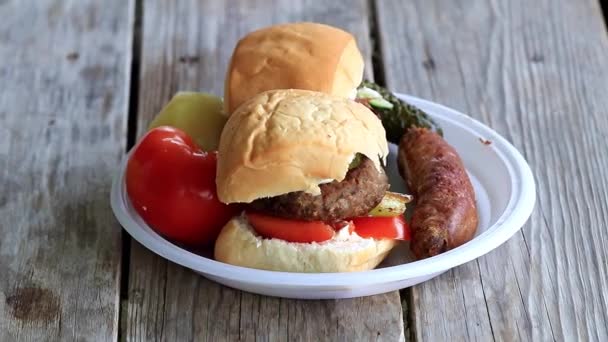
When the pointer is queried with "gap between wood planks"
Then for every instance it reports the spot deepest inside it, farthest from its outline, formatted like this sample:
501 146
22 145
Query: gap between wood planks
131 136
379 78
374 37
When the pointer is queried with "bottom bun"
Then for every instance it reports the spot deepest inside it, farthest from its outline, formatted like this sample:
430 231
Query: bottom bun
238 244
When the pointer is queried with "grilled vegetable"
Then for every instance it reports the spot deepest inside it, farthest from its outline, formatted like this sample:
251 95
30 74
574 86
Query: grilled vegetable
356 161
393 204
397 116
197 114
393 227
171 184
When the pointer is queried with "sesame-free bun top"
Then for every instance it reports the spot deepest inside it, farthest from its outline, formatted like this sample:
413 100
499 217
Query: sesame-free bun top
289 140
308 56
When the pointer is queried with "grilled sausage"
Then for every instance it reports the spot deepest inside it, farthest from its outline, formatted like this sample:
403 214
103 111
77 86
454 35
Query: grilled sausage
445 215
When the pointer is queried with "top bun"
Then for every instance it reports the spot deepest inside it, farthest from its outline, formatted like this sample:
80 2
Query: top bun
306 56
282 141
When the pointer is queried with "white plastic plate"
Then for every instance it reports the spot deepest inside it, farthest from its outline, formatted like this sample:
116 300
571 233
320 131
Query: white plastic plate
505 192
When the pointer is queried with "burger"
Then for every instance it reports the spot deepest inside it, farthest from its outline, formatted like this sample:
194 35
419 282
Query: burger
308 169
318 57
306 55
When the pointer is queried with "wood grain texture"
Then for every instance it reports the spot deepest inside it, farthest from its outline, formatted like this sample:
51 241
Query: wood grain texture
63 81
186 45
537 72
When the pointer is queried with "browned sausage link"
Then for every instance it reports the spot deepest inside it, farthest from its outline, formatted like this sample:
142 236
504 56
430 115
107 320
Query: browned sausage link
445 215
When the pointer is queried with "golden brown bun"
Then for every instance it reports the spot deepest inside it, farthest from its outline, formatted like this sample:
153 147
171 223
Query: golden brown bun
307 56
282 141
238 244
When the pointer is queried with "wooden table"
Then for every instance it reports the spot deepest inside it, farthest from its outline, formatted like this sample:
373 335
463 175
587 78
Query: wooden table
80 79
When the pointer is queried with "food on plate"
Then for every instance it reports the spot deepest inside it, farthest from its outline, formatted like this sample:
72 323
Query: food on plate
392 203
288 155
294 140
171 184
445 215
301 146
239 244
307 231
362 188
316 57
388 227
397 116
197 114
305 55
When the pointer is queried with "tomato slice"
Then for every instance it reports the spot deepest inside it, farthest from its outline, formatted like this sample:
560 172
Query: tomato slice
290 230
382 227
317 231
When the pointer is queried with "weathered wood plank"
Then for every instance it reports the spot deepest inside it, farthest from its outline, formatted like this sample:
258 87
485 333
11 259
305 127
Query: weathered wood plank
63 80
186 46
537 72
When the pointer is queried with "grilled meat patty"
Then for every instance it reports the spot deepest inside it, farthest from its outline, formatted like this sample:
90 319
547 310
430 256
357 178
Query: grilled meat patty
360 191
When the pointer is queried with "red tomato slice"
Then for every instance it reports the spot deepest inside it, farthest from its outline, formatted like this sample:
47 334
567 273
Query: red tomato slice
382 227
290 230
